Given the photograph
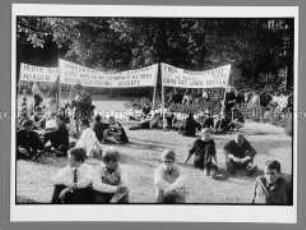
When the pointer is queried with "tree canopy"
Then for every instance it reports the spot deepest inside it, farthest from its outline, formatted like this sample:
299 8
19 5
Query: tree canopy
257 48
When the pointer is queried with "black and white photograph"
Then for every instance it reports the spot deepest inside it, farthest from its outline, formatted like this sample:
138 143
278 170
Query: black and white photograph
126 108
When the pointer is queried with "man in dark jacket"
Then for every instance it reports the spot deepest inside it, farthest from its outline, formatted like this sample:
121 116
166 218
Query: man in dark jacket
28 143
189 127
239 153
59 138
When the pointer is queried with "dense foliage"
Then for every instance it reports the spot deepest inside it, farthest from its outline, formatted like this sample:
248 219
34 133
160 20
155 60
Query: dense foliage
258 49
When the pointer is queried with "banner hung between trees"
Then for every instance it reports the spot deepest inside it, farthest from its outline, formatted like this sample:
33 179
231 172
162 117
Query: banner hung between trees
32 73
181 78
71 74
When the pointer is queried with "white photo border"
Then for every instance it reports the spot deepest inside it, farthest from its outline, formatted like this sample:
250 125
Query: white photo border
149 213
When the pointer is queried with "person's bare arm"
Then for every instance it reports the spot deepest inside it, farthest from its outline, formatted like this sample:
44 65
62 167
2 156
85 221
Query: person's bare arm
159 180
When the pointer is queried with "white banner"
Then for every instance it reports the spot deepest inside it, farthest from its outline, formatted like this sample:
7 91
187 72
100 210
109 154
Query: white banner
181 78
73 73
32 73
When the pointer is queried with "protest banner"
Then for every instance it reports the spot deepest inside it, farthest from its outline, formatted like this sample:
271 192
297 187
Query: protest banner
72 73
32 73
181 78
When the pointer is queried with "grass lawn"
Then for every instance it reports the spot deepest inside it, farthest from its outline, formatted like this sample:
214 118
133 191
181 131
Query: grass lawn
142 155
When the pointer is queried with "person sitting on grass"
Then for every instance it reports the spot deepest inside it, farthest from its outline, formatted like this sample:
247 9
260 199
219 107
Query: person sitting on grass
189 127
88 139
73 183
110 187
239 153
204 150
272 188
28 143
169 183
146 110
58 137
207 121
114 132
39 119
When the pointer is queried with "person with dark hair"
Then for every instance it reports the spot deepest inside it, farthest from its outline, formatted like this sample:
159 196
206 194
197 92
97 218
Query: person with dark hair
190 126
207 121
88 139
62 115
229 99
146 110
37 94
239 153
39 119
264 100
239 99
58 137
187 98
83 106
28 143
73 184
99 127
272 188
110 177
204 151
114 132
169 183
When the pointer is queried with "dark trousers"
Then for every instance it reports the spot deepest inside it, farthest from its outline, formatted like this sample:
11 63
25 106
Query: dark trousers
106 198
232 166
74 196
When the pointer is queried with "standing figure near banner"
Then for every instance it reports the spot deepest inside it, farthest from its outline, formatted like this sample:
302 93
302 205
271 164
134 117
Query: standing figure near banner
83 106
37 95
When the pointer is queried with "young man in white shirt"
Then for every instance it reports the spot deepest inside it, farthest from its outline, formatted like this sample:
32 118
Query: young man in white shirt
169 183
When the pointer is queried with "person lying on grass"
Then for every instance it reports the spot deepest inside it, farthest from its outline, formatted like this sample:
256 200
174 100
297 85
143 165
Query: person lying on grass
272 188
239 154
204 150
169 183
110 173
114 132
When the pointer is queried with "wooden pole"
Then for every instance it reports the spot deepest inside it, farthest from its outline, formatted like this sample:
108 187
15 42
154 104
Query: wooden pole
155 86
59 91
163 95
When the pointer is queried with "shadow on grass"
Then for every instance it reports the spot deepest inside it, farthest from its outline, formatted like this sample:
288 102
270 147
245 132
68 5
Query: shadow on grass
25 200
130 160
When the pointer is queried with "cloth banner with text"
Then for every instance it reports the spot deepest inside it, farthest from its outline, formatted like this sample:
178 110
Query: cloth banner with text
45 78
181 78
71 74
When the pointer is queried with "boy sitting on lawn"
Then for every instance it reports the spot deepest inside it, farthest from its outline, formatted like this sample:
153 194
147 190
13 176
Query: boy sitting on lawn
73 184
239 154
110 176
272 188
169 183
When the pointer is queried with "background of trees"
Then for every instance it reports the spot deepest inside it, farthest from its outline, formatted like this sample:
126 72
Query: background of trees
257 48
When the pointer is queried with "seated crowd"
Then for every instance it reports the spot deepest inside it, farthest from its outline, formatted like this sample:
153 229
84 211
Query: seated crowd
81 183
